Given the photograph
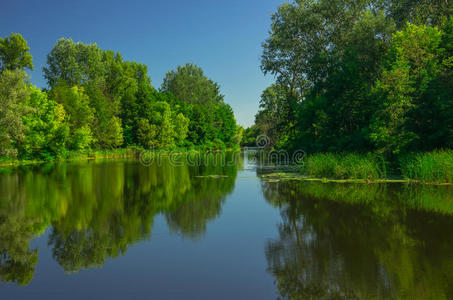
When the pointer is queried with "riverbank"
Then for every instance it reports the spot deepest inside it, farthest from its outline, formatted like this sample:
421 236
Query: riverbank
74 156
434 167
133 152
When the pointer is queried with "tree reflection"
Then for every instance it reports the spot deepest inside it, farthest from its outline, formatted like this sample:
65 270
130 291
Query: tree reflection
97 210
17 260
361 241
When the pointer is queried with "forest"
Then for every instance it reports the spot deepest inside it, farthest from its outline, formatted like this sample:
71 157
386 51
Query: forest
359 76
96 100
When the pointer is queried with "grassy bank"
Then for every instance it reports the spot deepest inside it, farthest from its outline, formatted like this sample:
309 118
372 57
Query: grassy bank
132 152
76 155
345 166
429 167
432 167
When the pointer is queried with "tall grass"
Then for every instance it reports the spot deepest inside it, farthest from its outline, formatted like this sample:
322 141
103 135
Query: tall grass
431 167
345 166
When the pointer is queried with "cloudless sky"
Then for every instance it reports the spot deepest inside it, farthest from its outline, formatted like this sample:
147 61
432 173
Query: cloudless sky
223 37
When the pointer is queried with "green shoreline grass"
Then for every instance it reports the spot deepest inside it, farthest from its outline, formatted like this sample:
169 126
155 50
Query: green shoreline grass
104 154
436 166
429 167
75 156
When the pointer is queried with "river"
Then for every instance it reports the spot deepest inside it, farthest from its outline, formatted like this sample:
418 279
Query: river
210 228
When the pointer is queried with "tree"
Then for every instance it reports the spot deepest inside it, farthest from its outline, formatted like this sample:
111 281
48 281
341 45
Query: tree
107 129
13 96
14 53
421 12
354 83
189 84
414 63
80 115
46 132
199 99
225 124
323 51
146 134
73 63
181 124
273 117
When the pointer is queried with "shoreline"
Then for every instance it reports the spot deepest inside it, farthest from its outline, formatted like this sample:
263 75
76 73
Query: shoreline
287 176
105 154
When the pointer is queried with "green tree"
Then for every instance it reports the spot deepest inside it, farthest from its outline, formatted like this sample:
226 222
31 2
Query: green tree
13 96
80 115
107 129
73 63
14 53
161 117
46 132
189 84
414 63
212 122
273 116
181 124
146 134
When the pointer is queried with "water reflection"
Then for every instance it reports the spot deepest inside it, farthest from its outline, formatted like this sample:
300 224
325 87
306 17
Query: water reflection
361 241
95 211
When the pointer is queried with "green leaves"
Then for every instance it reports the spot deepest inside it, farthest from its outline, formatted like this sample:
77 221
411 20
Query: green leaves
189 84
200 100
46 132
413 63
73 63
13 96
354 83
14 53
80 115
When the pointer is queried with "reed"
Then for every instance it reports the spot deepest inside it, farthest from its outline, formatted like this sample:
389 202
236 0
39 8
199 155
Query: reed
345 166
429 167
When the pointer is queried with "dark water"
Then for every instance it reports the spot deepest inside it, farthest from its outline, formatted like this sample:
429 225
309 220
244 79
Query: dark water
210 230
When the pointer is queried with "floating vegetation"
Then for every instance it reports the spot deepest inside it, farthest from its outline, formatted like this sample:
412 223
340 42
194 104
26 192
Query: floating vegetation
212 176
286 176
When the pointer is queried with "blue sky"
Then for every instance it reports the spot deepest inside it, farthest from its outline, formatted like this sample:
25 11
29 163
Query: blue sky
222 37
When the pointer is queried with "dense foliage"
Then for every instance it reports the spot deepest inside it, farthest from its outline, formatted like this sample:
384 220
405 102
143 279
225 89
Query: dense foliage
359 76
97 100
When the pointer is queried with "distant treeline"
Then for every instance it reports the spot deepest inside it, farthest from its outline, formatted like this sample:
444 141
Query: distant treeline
97 100
361 76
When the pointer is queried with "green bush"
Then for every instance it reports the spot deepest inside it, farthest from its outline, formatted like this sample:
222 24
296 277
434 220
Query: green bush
345 166
434 167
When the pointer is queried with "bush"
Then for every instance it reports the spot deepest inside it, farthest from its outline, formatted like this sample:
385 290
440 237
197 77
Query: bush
345 166
434 167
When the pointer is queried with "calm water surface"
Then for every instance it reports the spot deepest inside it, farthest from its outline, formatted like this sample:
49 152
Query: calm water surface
178 230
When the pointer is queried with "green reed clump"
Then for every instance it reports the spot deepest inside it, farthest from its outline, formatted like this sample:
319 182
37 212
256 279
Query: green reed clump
345 166
432 167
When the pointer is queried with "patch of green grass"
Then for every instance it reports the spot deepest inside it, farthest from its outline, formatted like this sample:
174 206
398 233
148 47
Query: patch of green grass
345 166
430 167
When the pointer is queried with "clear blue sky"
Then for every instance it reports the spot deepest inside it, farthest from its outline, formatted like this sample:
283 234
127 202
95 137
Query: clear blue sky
223 37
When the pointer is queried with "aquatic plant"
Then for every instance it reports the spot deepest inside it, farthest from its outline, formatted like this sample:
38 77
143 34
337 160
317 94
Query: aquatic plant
434 167
345 166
